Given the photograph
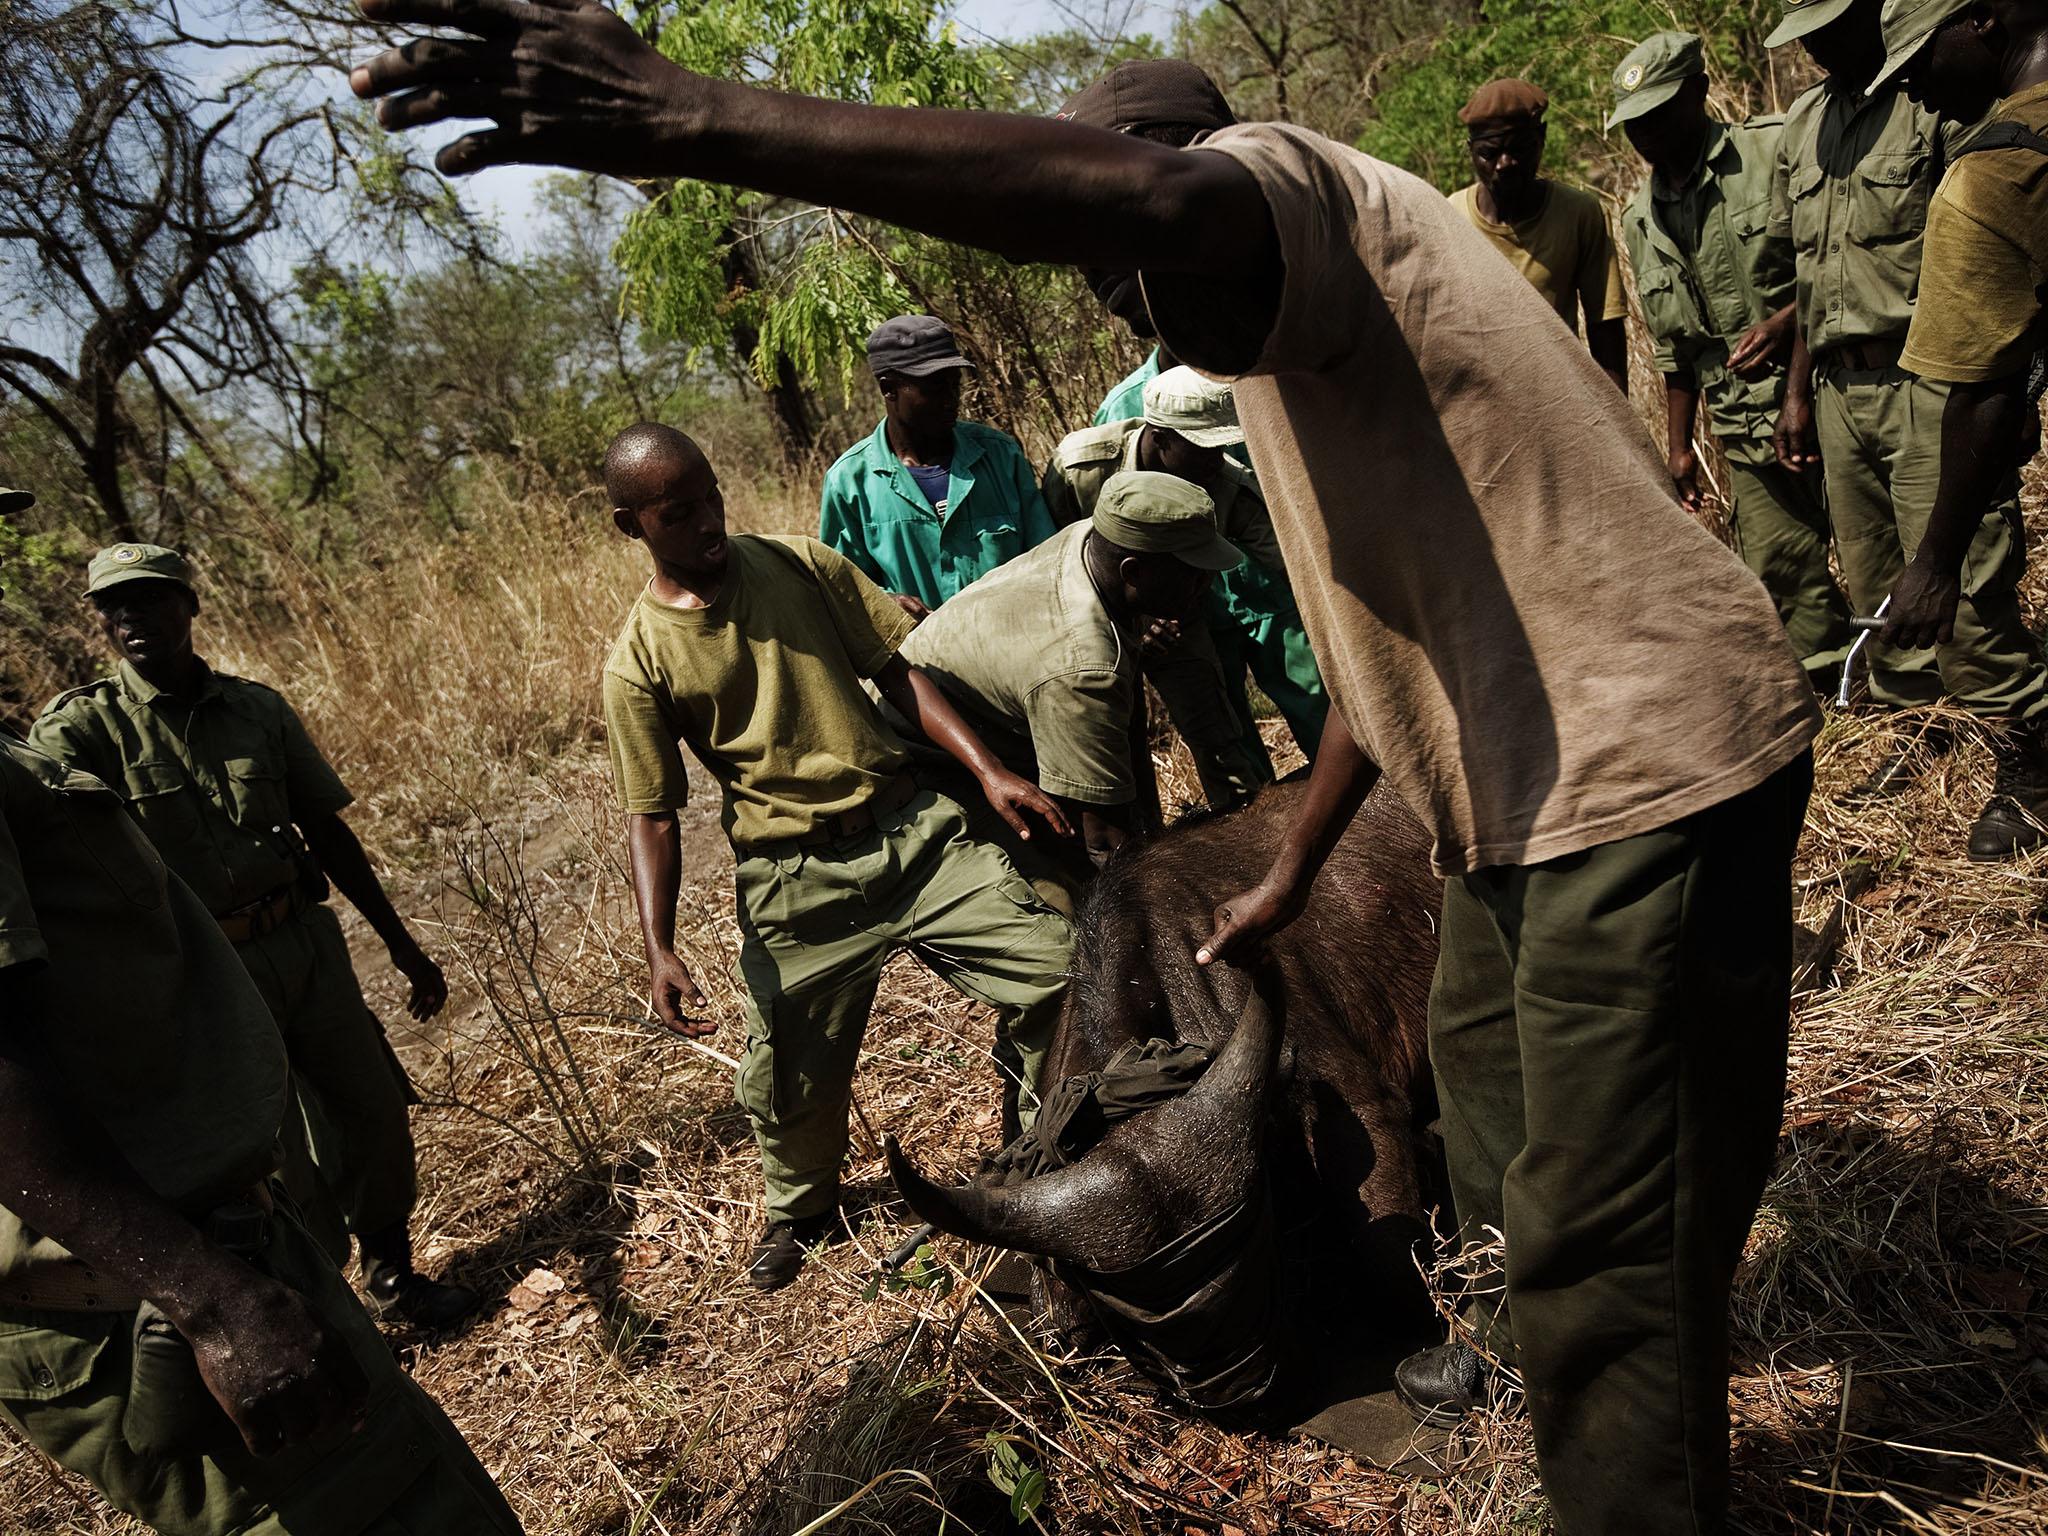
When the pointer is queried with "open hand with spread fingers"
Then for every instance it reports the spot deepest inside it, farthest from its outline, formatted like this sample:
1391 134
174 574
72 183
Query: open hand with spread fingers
565 82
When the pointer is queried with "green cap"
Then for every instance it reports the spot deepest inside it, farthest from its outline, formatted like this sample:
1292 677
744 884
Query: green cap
1908 27
1154 514
13 501
1804 16
1652 74
119 563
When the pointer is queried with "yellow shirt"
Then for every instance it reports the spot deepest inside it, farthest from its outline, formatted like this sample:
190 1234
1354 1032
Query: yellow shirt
1981 284
1566 252
763 686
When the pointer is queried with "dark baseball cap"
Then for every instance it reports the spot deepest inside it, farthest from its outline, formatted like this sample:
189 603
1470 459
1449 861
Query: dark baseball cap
1149 93
914 345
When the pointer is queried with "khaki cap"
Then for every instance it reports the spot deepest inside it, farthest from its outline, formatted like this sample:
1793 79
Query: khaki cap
1804 16
1201 410
13 501
1654 72
1153 514
1909 25
119 563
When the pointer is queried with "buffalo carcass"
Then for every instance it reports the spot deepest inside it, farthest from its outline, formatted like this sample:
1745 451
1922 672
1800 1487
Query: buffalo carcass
1218 1234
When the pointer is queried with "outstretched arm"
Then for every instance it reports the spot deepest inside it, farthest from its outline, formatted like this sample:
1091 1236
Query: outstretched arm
567 83
920 701
654 850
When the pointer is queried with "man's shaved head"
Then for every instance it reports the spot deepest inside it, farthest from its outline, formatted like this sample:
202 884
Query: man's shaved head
645 459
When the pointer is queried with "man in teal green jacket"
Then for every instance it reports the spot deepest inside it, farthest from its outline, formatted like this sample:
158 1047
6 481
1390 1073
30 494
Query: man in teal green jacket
928 502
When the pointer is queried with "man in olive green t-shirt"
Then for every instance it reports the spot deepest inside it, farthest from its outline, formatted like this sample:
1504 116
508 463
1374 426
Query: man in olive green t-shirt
223 777
751 651
1977 324
1858 167
1555 236
142 1082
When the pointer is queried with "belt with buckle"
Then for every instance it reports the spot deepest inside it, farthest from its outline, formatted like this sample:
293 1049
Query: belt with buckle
1863 356
836 829
260 916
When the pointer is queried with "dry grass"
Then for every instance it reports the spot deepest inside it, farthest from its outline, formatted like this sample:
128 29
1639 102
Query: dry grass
1892 1358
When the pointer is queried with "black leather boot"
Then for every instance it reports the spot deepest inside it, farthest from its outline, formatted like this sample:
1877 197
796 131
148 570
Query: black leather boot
1441 1385
779 1256
398 1290
2015 819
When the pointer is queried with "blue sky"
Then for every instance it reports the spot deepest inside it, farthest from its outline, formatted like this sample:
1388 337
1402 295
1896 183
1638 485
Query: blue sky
508 194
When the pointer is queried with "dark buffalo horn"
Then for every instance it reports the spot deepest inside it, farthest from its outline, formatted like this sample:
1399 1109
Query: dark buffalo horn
1048 1215
1236 1080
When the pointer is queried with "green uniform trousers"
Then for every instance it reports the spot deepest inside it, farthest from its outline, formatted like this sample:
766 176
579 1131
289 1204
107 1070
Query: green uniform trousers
1880 443
64 1383
1206 702
349 1164
1608 1031
1779 520
816 925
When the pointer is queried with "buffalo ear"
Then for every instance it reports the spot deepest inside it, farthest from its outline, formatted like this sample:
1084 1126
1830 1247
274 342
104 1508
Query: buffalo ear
1069 1214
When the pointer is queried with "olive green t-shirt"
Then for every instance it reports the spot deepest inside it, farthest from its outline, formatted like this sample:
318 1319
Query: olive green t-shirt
1033 660
215 780
1566 252
141 1008
1986 265
763 685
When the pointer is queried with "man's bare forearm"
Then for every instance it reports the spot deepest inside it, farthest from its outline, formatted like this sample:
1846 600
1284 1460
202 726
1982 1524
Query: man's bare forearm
1981 427
924 704
1338 782
654 848
1607 340
1681 409
340 855
61 1174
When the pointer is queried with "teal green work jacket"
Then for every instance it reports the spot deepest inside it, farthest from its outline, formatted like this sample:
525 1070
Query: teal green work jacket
873 513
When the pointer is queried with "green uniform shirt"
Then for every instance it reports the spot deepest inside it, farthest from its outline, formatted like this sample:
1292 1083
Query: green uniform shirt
143 1009
1127 400
1708 268
216 781
1854 178
1041 671
763 686
873 513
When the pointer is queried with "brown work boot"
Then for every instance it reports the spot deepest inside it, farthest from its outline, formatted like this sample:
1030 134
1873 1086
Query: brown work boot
2015 820
1901 766
779 1255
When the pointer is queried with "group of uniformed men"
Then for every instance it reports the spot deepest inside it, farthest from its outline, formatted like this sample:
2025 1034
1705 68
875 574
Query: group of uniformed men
1475 529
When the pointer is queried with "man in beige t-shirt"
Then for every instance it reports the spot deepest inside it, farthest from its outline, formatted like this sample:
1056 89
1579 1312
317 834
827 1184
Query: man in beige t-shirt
1555 236
1584 694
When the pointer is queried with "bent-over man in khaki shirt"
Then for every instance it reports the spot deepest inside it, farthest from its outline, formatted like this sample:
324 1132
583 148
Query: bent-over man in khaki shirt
1576 686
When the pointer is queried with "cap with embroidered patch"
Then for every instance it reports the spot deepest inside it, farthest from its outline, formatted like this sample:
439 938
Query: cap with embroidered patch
1655 70
1153 514
1804 16
1909 25
1201 410
119 563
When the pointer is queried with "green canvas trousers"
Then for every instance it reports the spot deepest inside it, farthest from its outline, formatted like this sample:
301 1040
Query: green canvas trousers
1608 1031
65 1380
817 924
1779 521
1880 443
348 1160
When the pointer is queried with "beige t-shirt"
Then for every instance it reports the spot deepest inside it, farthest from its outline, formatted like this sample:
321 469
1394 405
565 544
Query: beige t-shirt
1566 252
1515 618
1031 657
764 686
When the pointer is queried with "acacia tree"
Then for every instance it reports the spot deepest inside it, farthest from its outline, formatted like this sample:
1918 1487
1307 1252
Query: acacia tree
137 212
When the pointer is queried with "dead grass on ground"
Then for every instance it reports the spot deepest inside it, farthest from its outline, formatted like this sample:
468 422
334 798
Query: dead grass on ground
596 1179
